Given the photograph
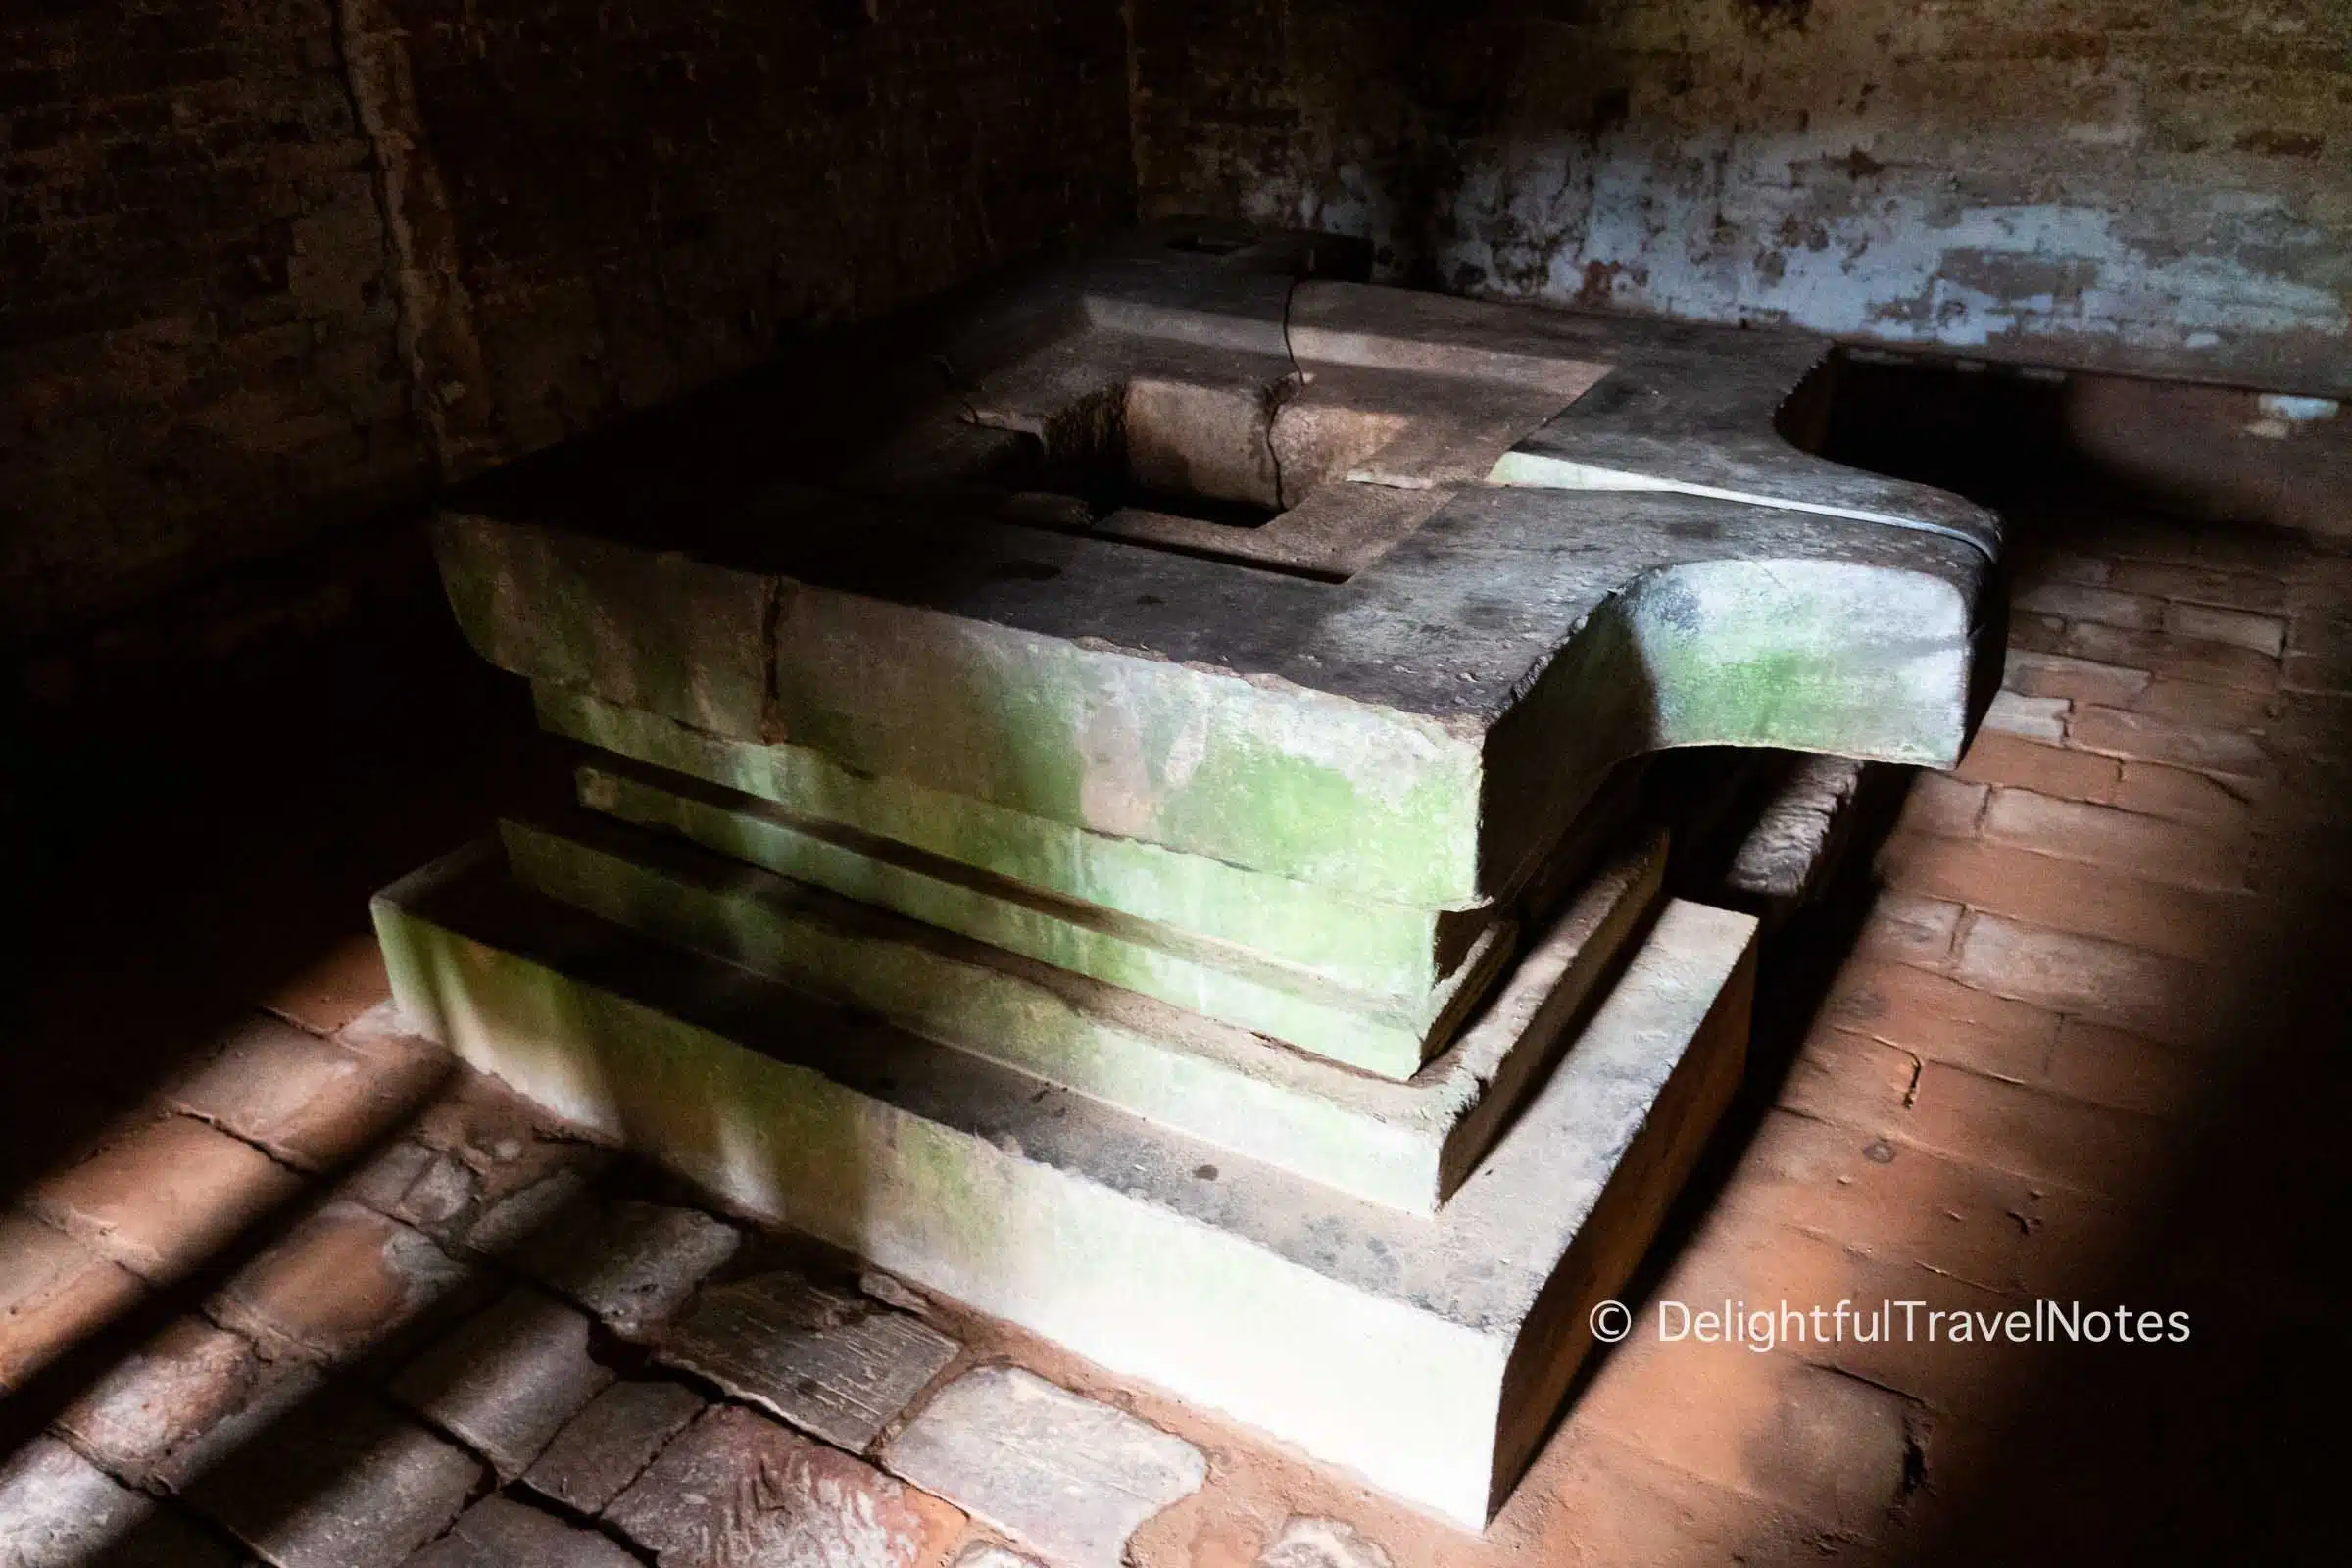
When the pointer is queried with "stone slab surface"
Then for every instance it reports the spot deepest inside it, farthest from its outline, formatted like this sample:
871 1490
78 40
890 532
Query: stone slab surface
834 1365
632 1264
1428 1354
505 1383
499 1532
1356 941
342 1481
1406 1143
1064 1475
608 1444
908 970
736 1490
1792 848
1399 686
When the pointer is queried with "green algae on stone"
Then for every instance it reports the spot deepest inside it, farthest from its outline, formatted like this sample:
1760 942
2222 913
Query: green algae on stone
1360 943
1796 654
927 982
1298 783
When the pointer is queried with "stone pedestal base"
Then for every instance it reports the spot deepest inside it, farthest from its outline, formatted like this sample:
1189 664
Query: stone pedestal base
1425 1353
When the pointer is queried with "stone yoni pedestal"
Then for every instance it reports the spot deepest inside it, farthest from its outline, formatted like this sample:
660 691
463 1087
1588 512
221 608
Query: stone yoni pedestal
1120 800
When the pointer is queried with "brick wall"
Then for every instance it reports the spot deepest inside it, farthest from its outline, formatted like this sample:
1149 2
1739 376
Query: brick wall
273 265
197 352
650 191
2118 184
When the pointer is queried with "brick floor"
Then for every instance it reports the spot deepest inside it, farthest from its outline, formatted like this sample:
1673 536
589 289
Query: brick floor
2080 1044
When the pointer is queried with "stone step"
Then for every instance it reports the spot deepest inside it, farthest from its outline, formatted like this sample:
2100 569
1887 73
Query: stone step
1212 978
1348 938
889 965
1425 1355
1405 1144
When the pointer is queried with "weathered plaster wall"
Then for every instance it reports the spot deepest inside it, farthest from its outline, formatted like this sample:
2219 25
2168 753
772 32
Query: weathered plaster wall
271 265
2160 186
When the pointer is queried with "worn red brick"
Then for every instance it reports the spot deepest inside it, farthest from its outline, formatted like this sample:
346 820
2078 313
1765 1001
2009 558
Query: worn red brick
1997 758
160 1397
427 1187
54 1292
2261 593
1939 802
381 1034
2129 988
2141 737
59 1510
197 265
1931 1016
501 1533
2033 718
1743 1254
2317 672
2263 634
309 1101
1827 1447
2149 848
611 1442
2043 634
2201 704
2036 560
1956 1215
339 1482
1303 1542
508 1144
2030 1130
2068 896
1620 1505
1851 1079
202 274
2130 1072
2074 602
505 1382
2080 680
2155 790
2266 551
831 1364
630 1264
2190 659
1906 929
1965 1113
345 1281
165 1195
333 989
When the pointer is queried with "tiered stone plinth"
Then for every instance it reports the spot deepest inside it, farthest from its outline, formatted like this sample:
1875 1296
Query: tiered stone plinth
1147 834
1425 1353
